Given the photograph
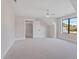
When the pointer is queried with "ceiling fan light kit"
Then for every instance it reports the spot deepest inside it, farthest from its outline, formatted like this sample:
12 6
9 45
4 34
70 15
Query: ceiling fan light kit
49 13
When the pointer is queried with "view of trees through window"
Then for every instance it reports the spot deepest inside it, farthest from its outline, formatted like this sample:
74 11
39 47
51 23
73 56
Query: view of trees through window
70 25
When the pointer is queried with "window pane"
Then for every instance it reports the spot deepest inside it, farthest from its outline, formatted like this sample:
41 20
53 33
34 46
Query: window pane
73 25
65 26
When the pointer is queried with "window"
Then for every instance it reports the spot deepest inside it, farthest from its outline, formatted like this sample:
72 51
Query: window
70 25
65 26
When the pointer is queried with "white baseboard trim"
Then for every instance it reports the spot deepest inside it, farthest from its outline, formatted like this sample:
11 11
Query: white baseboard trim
8 49
21 38
69 40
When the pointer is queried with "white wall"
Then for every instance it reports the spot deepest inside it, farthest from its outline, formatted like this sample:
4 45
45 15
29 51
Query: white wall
40 27
39 30
70 37
7 26
51 31
19 27
51 27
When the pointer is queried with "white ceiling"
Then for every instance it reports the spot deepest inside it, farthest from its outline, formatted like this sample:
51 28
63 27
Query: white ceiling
37 8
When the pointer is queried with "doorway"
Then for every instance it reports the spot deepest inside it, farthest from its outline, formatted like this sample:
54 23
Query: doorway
28 29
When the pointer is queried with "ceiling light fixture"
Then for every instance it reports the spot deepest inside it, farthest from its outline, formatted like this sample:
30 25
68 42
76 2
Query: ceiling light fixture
49 13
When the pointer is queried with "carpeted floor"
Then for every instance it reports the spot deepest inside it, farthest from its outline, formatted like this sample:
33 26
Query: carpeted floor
47 48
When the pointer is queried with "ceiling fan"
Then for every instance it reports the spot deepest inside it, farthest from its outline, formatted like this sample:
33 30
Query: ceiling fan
49 13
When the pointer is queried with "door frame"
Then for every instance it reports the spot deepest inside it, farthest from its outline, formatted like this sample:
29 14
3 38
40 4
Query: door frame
28 21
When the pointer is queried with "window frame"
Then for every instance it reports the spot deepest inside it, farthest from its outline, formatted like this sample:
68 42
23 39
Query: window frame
68 24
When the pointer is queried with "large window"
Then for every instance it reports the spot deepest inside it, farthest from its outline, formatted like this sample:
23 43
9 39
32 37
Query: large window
70 25
65 26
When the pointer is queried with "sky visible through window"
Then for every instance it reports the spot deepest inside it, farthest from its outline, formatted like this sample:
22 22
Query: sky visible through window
65 21
72 27
73 21
65 25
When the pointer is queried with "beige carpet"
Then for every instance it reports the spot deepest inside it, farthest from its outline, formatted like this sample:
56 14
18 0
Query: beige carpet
42 49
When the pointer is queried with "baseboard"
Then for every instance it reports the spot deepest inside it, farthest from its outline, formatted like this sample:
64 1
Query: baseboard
8 49
69 40
20 38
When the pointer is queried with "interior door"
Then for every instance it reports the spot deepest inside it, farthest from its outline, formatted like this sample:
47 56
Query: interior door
29 30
